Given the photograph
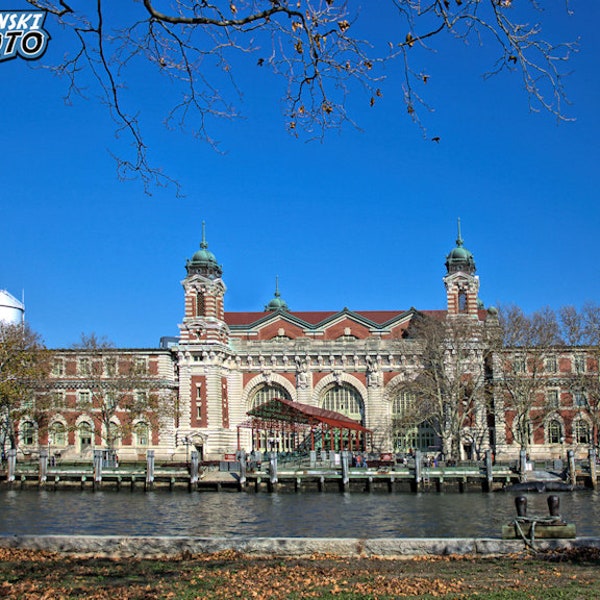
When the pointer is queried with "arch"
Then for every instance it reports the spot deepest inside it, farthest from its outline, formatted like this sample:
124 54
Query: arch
57 433
338 379
141 433
28 432
582 431
260 381
345 399
408 432
554 430
85 435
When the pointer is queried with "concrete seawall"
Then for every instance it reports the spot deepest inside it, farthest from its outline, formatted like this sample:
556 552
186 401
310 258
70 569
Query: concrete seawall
143 547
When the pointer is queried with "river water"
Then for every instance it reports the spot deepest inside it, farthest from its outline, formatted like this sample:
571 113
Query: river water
227 514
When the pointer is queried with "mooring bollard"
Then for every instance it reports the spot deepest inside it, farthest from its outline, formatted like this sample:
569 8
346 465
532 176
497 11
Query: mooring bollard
554 506
521 506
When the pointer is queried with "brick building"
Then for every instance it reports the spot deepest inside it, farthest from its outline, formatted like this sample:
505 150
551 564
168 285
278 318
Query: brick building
362 364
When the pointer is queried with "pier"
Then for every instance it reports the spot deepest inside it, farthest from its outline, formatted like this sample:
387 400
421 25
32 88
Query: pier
323 472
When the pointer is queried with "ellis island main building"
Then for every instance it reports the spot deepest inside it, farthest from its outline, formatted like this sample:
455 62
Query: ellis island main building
359 364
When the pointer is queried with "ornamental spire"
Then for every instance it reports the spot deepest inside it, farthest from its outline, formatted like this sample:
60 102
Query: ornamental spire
203 243
459 240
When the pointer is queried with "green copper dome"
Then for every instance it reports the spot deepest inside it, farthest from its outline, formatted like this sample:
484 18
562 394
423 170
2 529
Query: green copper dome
459 258
203 262
278 303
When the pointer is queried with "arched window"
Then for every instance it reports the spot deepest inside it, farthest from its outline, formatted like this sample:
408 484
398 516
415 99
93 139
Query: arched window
554 432
142 437
345 400
409 434
58 434
268 392
85 436
582 432
28 433
114 435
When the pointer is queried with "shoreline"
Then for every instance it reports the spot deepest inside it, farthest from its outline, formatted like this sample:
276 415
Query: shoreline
170 546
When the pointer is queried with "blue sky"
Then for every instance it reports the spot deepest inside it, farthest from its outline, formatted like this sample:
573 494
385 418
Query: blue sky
363 220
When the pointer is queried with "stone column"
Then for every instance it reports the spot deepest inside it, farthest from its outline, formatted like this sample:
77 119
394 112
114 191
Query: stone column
489 470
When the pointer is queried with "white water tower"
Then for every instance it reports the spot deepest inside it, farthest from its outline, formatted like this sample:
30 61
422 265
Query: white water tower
11 309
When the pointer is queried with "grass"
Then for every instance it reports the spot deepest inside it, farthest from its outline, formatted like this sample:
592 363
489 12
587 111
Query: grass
36 575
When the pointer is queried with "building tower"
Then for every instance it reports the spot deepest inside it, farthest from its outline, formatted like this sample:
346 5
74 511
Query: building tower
462 285
204 291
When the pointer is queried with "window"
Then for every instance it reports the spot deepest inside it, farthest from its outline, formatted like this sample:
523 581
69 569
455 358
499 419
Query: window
420 437
402 404
59 399
84 399
266 393
550 364
58 367
579 363
83 366
58 434
579 399
554 432
462 302
110 366
142 437
552 399
111 401
200 305
28 433
582 432
114 435
85 436
519 365
345 400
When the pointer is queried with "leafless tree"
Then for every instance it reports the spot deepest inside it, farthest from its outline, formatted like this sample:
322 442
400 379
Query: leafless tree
449 390
24 369
520 374
582 332
121 388
315 46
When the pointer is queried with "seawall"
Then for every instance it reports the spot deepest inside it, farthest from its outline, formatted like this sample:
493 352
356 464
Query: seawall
143 547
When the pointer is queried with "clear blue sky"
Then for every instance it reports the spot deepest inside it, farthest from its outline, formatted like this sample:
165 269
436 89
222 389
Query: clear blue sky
363 220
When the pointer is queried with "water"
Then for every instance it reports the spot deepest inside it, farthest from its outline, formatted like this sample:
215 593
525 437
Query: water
280 515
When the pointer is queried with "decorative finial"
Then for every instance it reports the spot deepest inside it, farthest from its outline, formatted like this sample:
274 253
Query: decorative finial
277 294
203 244
459 240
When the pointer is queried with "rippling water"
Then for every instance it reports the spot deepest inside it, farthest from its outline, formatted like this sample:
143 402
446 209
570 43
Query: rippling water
223 514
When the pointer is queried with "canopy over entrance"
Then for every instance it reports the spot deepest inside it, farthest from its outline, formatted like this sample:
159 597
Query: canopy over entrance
286 425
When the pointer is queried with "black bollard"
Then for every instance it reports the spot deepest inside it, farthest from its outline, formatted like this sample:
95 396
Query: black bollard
554 506
521 504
